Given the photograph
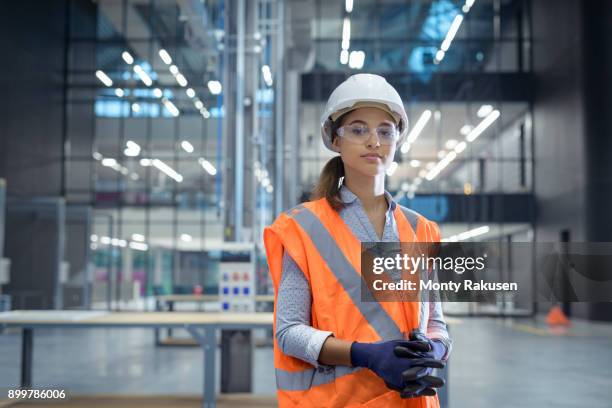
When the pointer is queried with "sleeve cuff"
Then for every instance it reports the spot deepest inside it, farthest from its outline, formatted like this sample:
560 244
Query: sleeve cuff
315 343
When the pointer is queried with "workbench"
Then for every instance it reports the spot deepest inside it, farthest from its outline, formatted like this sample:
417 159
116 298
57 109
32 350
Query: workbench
202 326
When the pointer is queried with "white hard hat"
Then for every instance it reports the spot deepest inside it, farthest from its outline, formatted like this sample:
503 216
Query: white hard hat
358 91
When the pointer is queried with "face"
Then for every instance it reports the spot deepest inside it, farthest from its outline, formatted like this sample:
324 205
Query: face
369 158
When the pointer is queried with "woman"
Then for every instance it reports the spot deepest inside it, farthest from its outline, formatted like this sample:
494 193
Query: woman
331 348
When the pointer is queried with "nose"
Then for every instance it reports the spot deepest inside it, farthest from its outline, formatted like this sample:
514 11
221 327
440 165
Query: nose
373 140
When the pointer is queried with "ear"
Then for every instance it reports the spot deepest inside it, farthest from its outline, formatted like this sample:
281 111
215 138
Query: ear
336 144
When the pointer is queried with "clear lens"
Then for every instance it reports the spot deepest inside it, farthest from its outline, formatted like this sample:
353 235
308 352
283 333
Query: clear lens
360 134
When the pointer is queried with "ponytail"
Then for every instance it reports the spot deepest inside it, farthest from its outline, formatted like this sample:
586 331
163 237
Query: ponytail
328 184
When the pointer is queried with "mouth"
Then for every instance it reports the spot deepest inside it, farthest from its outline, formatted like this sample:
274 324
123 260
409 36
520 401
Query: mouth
372 156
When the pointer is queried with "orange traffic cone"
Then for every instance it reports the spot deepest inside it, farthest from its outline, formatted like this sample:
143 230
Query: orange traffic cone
556 317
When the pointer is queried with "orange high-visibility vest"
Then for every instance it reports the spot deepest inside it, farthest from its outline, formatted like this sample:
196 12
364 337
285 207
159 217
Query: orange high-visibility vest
327 252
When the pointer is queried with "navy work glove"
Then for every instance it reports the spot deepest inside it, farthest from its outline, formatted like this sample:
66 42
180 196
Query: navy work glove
419 381
384 362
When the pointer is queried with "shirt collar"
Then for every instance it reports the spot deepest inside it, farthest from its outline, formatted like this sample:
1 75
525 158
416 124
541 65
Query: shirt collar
348 197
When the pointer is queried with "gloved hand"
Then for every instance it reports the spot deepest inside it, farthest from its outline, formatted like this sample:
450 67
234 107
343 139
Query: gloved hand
384 362
419 381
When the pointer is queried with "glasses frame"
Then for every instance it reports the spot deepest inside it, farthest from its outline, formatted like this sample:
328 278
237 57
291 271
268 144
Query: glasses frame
341 132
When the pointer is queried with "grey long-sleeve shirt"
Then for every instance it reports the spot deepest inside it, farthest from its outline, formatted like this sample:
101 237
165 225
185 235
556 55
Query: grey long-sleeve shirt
294 333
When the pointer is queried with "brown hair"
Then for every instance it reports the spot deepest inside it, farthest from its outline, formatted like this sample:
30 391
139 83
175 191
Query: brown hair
327 186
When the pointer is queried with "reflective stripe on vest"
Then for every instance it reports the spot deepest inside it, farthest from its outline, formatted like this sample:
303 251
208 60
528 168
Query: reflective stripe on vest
412 217
306 379
344 272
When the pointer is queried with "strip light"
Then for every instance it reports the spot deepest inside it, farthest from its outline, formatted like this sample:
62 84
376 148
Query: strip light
188 147
348 6
210 169
105 79
127 57
450 35
346 33
467 234
482 126
139 246
163 54
416 130
171 107
167 170
214 87
144 77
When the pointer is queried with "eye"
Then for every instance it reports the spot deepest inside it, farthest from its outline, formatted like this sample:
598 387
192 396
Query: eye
359 130
386 132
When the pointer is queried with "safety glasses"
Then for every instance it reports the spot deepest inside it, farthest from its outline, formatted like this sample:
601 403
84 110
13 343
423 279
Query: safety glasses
357 133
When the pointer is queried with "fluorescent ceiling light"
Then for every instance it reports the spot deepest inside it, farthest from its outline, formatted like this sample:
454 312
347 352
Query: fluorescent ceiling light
450 144
145 162
138 237
188 147
344 56
210 169
173 69
198 104
269 189
267 74
132 149
158 93
450 156
467 234
181 79
186 238
171 107
467 6
346 33
415 163
348 6
419 126
214 87
465 129
119 92
356 59
460 147
441 154
135 107
452 31
139 246
484 111
94 238
119 242
127 57
104 78
190 92
109 162
482 126
167 170
144 77
440 55
163 54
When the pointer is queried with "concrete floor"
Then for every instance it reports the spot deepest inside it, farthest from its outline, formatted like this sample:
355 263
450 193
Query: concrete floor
495 363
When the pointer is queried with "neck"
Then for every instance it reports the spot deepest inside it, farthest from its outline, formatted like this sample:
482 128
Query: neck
369 189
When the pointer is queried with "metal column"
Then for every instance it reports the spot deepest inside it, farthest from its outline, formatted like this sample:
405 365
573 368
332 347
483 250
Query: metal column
279 110
239 168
